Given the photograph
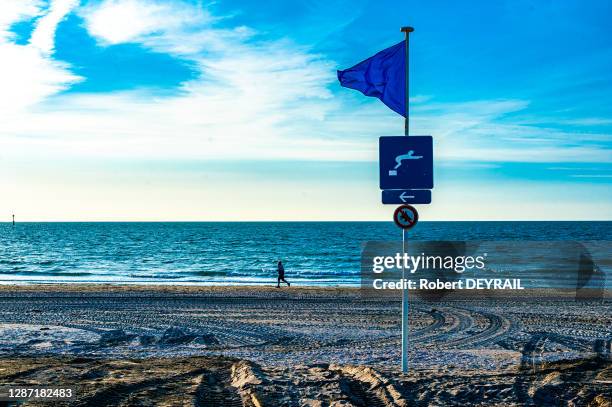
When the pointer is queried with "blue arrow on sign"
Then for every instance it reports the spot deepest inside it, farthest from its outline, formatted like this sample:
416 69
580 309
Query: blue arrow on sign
406 196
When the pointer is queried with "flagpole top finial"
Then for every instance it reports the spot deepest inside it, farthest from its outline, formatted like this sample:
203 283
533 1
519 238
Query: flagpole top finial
407 29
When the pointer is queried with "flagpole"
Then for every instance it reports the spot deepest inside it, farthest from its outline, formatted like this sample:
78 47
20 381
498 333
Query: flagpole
405 299
407 30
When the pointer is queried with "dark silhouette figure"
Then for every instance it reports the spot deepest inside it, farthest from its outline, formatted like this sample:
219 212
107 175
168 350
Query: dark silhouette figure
281 275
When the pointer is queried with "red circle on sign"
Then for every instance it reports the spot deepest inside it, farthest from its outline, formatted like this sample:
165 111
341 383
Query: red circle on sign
405 216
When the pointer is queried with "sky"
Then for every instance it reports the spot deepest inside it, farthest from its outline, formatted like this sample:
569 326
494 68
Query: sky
231 110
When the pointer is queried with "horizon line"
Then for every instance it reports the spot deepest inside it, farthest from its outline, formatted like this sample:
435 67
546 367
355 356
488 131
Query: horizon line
301 221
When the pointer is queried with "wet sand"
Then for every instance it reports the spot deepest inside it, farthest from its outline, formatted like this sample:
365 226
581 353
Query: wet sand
218 346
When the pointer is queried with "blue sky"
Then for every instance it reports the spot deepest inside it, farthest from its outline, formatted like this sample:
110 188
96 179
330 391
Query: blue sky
193 110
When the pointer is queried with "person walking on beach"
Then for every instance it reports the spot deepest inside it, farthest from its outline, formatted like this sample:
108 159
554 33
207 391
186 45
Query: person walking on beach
281 275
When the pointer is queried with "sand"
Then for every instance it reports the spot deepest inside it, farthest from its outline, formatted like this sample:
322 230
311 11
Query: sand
254 346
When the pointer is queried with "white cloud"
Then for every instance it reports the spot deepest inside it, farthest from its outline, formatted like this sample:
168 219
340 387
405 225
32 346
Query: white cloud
13 11
120 21
245 103
43 36
482 131
28 74
28 78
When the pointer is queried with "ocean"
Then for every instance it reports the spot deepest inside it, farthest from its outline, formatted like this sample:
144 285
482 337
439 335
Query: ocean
314 253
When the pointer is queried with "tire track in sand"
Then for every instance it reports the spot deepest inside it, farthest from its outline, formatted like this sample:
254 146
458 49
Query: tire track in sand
497 327
114 395
365 387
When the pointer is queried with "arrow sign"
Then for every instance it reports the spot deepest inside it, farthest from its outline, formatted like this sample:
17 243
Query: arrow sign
406 196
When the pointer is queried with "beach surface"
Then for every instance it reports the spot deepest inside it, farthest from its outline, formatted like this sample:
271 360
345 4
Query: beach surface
262 346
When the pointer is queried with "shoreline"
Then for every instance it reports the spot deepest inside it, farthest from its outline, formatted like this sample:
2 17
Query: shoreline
121 287
425 296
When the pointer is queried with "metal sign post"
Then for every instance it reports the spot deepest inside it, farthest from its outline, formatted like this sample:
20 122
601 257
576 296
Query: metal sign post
405 311
405 303
406 217
407 31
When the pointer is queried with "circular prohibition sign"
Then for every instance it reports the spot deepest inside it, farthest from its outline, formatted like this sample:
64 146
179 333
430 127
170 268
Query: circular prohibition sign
406 216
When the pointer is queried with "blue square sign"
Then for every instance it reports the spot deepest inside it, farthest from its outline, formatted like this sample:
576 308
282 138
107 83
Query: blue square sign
406 162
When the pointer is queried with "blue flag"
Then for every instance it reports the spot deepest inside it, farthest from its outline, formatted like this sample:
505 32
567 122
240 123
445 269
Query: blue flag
381 76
